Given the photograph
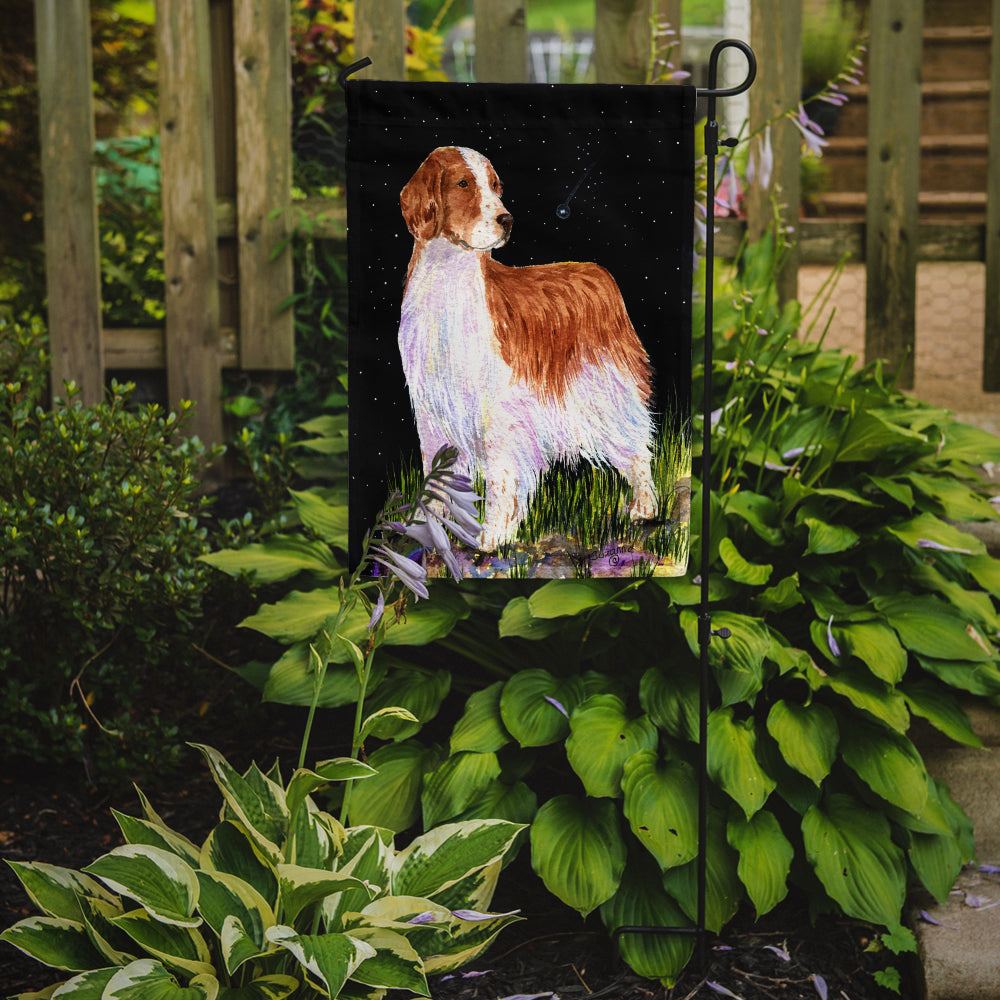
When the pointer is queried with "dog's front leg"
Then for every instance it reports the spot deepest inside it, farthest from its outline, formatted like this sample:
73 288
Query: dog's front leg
505 502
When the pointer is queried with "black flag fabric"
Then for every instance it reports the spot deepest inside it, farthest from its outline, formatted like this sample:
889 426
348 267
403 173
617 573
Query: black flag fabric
520 263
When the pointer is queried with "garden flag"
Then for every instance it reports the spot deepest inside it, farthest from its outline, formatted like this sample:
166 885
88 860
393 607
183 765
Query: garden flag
520 264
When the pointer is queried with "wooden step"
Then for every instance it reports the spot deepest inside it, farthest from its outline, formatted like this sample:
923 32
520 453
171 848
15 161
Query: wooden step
945 104
947 162
957 206
945 12
956 53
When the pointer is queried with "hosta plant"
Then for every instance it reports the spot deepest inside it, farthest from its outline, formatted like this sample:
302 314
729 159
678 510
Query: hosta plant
279 900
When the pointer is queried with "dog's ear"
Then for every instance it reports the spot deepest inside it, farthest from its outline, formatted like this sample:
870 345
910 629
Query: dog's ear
420 200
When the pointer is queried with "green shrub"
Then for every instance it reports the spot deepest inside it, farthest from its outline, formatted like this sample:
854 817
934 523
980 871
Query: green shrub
280 899
99 546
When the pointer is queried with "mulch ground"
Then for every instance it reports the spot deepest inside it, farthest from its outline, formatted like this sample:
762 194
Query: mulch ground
551 952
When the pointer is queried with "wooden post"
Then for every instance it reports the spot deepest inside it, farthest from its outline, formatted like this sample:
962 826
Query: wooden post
622 40
501 41
893 183
190 254
262 60
380 34
991 333
776 35
72 256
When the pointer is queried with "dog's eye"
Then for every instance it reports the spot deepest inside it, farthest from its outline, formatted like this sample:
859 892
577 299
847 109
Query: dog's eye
463 183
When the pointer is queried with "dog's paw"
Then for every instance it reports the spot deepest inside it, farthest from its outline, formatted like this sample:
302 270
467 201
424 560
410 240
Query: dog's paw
642 509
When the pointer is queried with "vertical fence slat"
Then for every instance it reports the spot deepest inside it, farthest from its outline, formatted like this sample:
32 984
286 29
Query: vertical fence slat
776 35
380 34
991 332
621 40
72 257
892 216
501 41
669 12
261 57
190 253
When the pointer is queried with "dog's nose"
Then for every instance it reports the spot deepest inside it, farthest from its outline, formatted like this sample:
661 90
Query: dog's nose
507 221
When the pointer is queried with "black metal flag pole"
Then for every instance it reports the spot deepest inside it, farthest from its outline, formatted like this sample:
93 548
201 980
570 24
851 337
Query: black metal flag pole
705 631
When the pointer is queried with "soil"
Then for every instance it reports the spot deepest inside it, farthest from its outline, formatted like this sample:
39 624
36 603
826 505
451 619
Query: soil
551 952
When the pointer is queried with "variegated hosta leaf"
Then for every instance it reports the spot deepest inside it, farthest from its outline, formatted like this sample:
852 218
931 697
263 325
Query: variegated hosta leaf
177 947
765 858
230 849
329 959
238 944
86 986
395 964
642 902
225 897
149 980
481 728
602 737
578 851
300 887
116 946
441 857
456 784
304 782
315 838
256 801
661 805
56 891
476 890
141 831
159 881
807 735
367 853
732 760
54 941
467 940
850 847
275 987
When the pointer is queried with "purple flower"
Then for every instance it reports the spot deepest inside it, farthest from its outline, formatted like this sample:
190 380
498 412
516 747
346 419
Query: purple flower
427 917
719 988
780 952
475 915
820 983
411 574
552 701
834 648
927 543
811 132
761 163
377 612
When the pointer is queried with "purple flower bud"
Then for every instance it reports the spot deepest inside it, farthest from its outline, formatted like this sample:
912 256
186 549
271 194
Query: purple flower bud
377 612
834 648
552 701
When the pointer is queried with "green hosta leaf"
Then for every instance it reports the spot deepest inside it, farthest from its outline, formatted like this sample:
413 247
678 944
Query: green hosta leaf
275 987
292 680
965 443
417 690
986 571
225 897
738 569
870 435
456 784
578 851
876 646
395 964
738 661
931 628
231 850
937 860
391 798
602 738
671 699
641 901
304 782
807 736
528 710
827 539
516 803
260 809
893 488
330 959
941 709
147 979
301 887
180 948
141 831
976 678
481 728
327 520
765 858
159 881
976 605
850 847
661 800
56 891
888 763
279 558
957 501
865 692
723 889
732 760
441 857
928 528
758 511
387 723
54 941
559 598
517 620
783 595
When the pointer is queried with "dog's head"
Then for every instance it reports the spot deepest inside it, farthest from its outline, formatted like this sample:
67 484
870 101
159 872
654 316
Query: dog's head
456 194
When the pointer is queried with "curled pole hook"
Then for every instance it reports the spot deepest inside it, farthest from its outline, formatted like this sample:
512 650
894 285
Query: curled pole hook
713 90
353 68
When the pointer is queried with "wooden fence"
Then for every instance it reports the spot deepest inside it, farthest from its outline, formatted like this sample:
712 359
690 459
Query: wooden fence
226 160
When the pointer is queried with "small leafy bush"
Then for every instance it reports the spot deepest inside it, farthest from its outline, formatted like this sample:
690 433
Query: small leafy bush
280 899
99 546
855 605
